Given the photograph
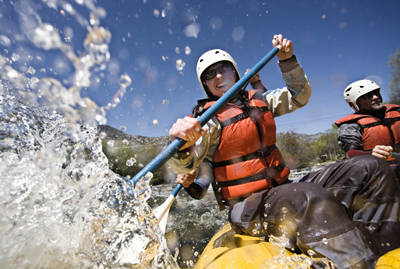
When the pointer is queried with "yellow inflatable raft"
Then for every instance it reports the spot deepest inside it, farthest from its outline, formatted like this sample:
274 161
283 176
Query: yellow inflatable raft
390 260
230 250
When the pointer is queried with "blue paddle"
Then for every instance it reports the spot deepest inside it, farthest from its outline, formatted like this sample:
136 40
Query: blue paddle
396 155
175 145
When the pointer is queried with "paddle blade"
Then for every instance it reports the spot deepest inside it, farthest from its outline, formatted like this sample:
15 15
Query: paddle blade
162 211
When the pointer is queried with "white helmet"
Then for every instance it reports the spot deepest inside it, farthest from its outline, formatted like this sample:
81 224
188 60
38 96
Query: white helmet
357 89
209 58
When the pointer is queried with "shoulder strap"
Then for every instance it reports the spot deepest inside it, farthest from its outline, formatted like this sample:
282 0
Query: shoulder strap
199 109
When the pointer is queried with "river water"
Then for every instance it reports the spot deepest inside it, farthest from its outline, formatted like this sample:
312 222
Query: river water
56 181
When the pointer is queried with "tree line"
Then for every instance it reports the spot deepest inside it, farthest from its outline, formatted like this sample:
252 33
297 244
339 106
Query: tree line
300 153
394 86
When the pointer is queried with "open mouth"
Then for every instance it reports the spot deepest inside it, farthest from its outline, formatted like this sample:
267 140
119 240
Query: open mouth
221 85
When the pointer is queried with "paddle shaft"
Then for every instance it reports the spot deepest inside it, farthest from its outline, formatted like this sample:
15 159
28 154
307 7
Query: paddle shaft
177 143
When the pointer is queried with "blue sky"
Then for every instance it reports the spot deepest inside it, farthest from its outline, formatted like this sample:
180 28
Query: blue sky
336 42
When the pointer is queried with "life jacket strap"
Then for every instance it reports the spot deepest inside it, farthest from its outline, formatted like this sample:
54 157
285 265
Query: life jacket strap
259 154
267 174
252 111
384 122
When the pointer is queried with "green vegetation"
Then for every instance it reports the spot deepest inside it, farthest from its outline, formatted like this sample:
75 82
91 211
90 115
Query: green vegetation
128 160
394 86
300 153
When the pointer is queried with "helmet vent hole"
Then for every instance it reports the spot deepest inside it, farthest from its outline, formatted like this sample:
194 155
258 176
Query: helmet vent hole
201 60
361 86
217 52
348 89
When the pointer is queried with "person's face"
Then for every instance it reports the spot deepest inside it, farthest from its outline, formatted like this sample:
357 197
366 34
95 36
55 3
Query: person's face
219 78
371 101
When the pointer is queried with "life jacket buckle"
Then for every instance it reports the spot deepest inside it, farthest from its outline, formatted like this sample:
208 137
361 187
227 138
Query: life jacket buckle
260 154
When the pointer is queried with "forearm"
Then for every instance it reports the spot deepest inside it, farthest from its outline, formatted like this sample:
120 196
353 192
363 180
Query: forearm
295 95
257 85
205 177
355 152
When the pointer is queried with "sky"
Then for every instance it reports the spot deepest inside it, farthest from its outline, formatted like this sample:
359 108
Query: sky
336 42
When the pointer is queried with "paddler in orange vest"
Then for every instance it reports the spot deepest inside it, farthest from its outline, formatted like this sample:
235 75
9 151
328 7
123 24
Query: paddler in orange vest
236 150
374 128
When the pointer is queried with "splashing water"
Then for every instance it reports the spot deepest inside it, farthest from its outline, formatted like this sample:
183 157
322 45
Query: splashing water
55 177
286 261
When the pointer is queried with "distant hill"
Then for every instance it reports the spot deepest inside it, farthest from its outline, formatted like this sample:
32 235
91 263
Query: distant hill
310 138
118 135
127 154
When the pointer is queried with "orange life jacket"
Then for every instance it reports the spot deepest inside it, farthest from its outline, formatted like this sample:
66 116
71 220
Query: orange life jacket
377 131
247 159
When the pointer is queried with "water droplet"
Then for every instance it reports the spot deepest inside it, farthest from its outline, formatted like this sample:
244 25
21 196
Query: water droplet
5 41
155 122
187 50
125 142
111 143
325 241
177 50
122 128
130 162
15 57
124 80
140 165
12 73
310 252
165 102
284 210
103 135
192 30
31 70
238 33
180 65
46 37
